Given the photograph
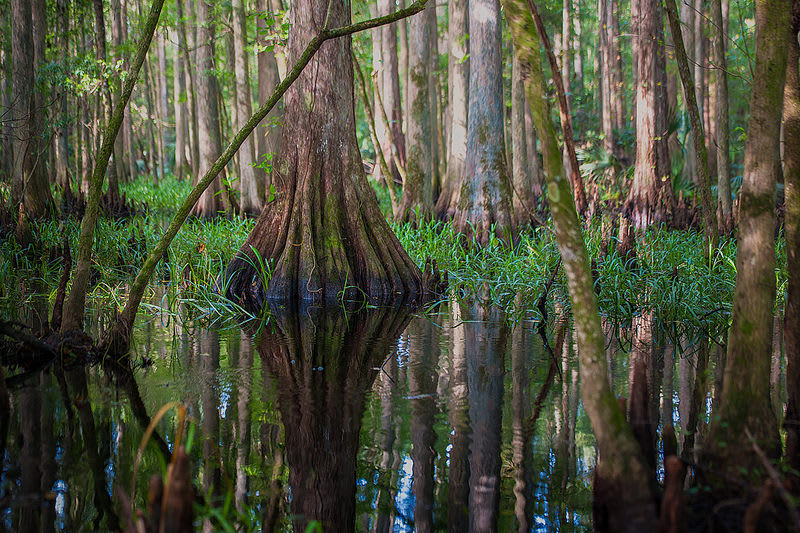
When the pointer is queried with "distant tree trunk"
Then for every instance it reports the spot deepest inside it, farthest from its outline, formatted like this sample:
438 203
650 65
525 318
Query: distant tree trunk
104 108
791 120
604 35
250 189
722 133
745 405
402 65
127 126
30 188
650 199
534 164
577 46
484 199
523 196
698 135
391 90
116 42
62 131
622 476
324 234
179 102
269 140
163 103
618 80
208 135
7 132
566 46
190 61
418 189
687 29
458 87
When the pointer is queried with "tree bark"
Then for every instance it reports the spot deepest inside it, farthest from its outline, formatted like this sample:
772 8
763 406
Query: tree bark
650 198
604 36
523 197
417 199
621 467
250 189
208 130
181 168
458 87
30 187
269 140
745 401
323 234
62 131
791 176
391 90
722 133
484 197
703 174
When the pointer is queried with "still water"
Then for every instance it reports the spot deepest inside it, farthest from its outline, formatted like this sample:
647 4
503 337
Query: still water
374 421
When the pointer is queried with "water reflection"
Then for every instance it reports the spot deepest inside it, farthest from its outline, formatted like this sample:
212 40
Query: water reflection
370 421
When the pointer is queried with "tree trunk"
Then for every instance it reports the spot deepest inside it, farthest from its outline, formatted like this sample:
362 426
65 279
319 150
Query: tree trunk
391 90
188 40
250 189
208 134
722 133
269 140
323 235
458 86
417 199
523 196
650 197
6 87
622 474
179 100
698 136
745 405
791 176
484 197
577 37
62 131
163 103
30 188
604 35
104 103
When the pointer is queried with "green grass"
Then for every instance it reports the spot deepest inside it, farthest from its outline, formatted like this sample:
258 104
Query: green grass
672 277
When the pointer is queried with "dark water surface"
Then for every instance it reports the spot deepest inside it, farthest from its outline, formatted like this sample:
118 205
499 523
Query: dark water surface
368 421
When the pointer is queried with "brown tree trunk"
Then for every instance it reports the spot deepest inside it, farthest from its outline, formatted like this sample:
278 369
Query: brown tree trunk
30 187
391 90
208 131
323 235
650 197
604 36
484 197
745 406
791 121
62 131
524 198
180 168
722 133
104 103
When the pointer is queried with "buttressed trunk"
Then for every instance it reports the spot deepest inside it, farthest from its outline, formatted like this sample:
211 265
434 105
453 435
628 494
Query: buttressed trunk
323 236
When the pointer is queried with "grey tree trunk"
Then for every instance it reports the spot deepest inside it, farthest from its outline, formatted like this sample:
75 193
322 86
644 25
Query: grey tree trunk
390 92
458 87
250 189
417 190
484 199
181 167
523 198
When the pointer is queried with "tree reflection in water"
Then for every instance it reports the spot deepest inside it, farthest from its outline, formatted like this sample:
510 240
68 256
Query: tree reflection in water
324 362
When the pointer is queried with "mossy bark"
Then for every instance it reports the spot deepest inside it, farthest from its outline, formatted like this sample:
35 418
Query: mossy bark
722 133
791 176
622 471
417 198
745 404
483 203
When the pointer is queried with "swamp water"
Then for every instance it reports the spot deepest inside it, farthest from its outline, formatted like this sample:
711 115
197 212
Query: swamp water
369 421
